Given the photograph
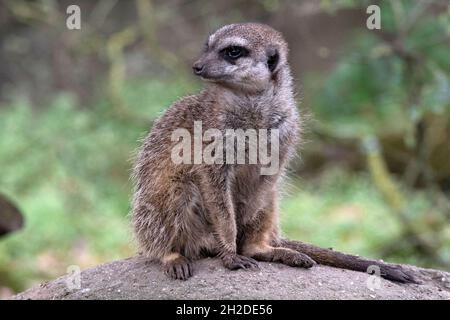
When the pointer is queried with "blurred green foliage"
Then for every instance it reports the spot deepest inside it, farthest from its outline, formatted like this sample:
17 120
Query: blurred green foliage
381 70
393 85
68 169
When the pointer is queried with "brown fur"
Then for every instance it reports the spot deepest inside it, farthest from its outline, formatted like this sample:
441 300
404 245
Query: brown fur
183 212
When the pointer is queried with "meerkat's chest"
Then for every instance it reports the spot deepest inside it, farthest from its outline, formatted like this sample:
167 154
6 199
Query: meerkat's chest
254 117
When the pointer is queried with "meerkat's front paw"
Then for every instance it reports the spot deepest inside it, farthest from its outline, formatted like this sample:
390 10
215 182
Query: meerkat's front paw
179 268
235 261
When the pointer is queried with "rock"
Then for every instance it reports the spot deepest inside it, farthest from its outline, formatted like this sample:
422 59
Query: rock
137 278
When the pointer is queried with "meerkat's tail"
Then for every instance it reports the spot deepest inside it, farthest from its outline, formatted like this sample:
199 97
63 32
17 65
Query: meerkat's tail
337 259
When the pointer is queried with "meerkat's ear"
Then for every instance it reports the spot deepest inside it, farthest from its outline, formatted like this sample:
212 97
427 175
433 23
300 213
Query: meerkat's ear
273 57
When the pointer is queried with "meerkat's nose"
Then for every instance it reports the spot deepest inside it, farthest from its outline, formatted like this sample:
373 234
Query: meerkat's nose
198 68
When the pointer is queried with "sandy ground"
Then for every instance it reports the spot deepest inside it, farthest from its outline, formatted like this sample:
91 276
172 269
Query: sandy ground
136 278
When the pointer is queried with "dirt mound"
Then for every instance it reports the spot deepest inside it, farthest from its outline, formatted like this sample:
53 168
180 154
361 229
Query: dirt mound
136 278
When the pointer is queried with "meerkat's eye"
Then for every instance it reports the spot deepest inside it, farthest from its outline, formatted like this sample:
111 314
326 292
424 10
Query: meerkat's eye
272 60
233 53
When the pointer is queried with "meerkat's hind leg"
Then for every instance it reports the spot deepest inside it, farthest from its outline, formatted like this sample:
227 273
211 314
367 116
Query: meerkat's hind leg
236 261
285 256
177 266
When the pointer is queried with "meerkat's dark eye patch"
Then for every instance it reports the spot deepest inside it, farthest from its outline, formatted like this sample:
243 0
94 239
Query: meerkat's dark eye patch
272 59
232 53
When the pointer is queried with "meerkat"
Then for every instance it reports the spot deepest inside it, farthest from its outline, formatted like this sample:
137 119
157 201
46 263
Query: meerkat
183 212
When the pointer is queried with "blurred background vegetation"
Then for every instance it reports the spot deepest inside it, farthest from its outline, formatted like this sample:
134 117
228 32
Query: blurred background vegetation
374 176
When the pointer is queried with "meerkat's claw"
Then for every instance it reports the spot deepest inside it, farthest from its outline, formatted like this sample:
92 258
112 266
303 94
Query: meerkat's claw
179 268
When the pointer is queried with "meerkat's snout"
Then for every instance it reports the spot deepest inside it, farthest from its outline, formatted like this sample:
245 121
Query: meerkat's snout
198 68
210 67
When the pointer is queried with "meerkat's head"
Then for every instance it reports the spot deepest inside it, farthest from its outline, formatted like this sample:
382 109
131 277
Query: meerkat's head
245 56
